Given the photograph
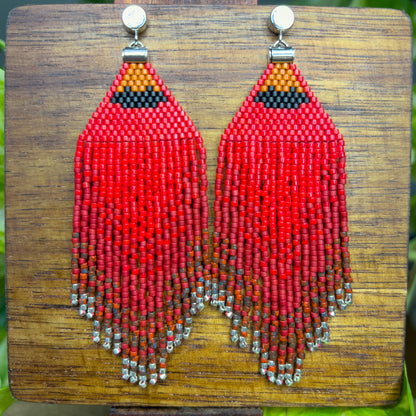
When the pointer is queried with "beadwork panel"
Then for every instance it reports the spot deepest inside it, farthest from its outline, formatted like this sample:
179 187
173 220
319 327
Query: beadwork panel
210 57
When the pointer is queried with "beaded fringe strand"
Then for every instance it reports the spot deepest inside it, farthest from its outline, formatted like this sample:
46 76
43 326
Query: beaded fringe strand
280 259
140 257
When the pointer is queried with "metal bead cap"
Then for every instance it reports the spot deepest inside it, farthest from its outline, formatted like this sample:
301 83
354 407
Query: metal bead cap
281 19
134 19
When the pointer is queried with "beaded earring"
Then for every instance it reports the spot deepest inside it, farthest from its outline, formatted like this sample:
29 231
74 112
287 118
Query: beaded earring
140 256
280 244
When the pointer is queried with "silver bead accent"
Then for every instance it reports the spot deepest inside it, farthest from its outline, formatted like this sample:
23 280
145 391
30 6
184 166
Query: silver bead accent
90 313
125 375
153 379
83 310
256 347
298 375
342 305
199 304
117 348
288 380
263 369
243 342
280 379
214 297
186 333
348 298
162 374
96 337
143 382
133 377
178 340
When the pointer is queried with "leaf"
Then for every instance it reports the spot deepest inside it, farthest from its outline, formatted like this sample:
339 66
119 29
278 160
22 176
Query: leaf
412 250
315 411
321 3
413 153
4 374
274 411
412 225
3 338
6 399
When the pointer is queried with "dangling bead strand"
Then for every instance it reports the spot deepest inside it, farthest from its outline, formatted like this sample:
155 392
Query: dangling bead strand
280 243
140 257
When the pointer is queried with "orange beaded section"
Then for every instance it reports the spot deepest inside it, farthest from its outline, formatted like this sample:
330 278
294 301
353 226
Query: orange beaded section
282 77
138 78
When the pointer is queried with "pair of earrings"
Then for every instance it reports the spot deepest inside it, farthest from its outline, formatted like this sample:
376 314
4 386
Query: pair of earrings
142 265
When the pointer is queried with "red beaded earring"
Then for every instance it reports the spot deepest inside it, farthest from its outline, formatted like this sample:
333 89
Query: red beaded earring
281 260
140 257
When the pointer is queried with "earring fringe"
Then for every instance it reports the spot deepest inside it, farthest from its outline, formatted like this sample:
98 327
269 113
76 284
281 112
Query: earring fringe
140 256
280 246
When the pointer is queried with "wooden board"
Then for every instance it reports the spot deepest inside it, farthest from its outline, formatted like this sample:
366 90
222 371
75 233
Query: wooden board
183 2
61 60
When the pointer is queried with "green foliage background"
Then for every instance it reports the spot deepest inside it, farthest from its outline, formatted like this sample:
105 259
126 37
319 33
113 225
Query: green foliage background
405 406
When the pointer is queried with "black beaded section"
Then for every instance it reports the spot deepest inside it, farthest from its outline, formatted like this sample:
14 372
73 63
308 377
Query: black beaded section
281 99
146 99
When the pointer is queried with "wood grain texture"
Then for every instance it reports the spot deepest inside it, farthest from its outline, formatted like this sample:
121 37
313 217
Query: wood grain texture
185 411
357 62
189 2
